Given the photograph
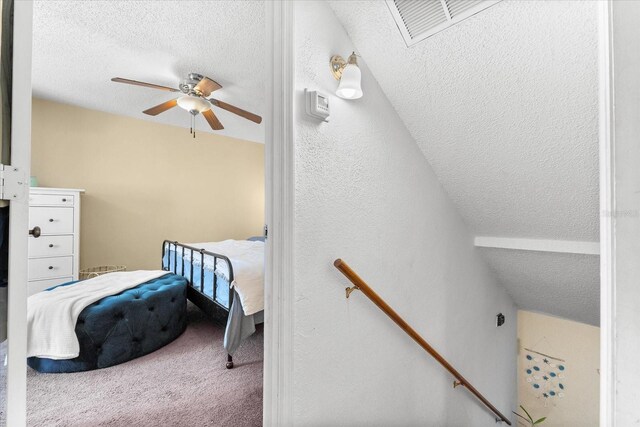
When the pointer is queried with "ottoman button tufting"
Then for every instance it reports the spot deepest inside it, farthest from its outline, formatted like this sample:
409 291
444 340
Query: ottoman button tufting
121 315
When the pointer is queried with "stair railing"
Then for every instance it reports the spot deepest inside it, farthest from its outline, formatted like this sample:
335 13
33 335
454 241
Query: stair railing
361 285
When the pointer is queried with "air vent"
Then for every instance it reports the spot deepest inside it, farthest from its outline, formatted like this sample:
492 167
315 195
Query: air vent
419 19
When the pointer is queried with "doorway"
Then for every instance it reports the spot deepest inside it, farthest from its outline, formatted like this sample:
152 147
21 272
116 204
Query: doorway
17 396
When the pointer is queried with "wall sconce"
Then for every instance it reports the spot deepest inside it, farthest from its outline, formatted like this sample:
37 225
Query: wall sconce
349 75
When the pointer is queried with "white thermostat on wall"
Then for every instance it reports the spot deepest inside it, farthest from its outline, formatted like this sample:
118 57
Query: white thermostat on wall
317 104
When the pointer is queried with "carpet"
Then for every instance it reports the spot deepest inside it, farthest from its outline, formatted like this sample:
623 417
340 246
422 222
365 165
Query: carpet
184 383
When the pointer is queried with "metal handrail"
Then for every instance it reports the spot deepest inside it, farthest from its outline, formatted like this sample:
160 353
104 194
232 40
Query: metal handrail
361 285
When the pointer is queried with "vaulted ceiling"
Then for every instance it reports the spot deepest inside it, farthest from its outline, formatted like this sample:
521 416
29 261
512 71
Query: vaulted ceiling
504 106
78 46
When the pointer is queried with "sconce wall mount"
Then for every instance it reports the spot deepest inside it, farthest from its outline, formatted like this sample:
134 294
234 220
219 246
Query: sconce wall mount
337 65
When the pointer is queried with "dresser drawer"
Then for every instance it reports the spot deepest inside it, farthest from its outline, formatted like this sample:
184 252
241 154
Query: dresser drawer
35 286
51 220
47 268
47 246
51 200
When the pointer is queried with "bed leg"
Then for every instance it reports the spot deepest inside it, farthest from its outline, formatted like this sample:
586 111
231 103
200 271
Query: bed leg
229 361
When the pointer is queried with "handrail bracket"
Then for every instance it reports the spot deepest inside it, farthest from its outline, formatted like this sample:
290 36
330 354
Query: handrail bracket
351 289
457 383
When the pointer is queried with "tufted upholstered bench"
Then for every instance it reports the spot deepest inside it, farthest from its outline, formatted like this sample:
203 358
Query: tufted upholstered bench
122 327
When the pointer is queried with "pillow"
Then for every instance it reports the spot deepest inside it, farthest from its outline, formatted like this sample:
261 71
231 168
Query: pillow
256 239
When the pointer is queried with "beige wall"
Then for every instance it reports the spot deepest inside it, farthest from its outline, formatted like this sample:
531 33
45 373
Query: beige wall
579 345
146 182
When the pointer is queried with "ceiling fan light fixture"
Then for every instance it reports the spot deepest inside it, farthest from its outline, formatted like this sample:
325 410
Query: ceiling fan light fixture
193 103
196 88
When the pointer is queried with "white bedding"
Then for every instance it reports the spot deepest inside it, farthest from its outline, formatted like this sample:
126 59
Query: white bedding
52 315
247 261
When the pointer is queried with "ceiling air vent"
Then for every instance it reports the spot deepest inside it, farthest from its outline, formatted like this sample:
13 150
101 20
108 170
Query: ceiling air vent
419 19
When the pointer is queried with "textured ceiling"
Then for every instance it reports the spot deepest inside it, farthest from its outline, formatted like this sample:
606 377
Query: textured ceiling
79 45
504 106
566 285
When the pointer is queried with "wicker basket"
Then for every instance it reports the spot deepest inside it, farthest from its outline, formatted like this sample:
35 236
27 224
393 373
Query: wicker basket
88 273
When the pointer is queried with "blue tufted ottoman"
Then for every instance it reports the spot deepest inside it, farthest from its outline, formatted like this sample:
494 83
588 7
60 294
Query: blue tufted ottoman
122 327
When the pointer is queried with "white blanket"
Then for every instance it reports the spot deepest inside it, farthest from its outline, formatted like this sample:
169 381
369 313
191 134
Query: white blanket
247 261
52 315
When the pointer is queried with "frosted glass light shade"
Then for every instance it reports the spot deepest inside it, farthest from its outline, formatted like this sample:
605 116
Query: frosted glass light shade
191 103
349 87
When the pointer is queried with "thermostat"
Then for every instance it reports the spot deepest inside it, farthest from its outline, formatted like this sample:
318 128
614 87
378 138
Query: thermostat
317 105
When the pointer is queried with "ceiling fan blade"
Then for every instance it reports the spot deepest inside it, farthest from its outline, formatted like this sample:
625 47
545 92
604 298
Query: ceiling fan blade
137 83
161 108
235 110
213 120
206 86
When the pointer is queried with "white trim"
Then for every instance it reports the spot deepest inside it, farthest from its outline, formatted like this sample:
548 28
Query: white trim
607 219
19 217
539 245
279 165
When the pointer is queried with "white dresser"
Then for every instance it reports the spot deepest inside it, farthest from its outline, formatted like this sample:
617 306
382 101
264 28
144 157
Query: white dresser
54 256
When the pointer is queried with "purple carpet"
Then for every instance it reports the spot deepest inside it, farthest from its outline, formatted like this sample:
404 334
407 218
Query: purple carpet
184 383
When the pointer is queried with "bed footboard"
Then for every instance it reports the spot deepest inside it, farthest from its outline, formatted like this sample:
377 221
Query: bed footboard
184 261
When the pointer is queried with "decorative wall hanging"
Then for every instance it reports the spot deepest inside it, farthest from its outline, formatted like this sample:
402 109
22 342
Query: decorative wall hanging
546 375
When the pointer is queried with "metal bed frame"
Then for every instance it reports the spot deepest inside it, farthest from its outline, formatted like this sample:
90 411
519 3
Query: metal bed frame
195 292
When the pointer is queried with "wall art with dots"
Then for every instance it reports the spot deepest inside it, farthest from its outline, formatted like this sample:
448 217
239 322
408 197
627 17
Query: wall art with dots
546 375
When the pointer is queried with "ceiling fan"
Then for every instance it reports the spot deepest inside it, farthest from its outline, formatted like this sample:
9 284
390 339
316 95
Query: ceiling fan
196 89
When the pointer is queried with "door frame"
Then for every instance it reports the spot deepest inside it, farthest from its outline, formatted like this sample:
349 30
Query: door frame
280 191
19 217
279 187
607 217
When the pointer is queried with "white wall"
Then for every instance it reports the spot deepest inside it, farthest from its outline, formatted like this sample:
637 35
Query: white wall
123 227
365 193
626 44
578 344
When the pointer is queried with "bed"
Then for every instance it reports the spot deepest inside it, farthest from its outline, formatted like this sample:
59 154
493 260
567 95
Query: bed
212 286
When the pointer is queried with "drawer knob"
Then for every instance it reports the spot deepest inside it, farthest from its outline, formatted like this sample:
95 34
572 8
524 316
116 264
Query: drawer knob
64 200
50 245
50 219
51 267
35 232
